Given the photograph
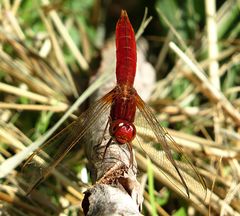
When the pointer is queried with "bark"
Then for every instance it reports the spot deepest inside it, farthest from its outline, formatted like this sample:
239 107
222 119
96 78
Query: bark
116 190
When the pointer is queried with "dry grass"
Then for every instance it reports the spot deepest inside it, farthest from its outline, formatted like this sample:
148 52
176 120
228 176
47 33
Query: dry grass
40 59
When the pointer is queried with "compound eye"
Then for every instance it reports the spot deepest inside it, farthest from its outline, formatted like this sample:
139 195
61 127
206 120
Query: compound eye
115 126
123 131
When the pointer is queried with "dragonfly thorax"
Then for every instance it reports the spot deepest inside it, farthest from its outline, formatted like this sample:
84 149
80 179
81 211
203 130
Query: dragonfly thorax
123 131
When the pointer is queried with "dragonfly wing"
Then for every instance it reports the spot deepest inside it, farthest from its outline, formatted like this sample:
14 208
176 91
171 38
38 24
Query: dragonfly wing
46 158
177 167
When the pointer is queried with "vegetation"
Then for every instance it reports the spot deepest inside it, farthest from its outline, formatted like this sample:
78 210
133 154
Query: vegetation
50 50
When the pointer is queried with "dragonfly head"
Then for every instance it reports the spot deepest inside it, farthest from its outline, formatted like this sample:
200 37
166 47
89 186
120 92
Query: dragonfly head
123 131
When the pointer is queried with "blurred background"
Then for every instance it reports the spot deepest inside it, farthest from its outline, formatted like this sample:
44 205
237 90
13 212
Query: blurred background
52 51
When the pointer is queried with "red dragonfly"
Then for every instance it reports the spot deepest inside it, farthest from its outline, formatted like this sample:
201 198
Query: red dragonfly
124 107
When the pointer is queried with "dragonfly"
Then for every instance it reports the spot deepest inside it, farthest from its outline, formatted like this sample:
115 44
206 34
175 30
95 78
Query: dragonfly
125 109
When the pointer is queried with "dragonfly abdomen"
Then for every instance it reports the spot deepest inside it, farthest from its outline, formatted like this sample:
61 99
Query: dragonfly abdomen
126 51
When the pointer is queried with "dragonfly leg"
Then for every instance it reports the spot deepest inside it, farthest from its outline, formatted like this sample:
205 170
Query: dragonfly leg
129 145
105 129
104 132
96 147
106 147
